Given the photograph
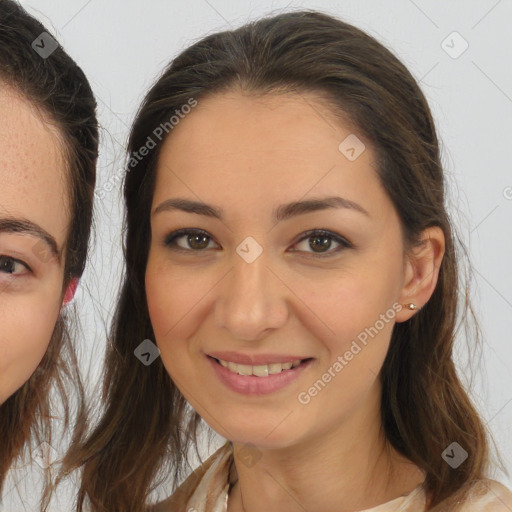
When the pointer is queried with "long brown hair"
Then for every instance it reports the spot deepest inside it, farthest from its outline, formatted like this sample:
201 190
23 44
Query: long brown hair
146 427
59 89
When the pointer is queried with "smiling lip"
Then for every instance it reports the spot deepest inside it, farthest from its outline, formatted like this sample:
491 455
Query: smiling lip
256 359
256 386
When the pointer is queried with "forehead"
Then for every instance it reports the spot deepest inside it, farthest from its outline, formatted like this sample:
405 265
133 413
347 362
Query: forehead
33 169
272 148
223 124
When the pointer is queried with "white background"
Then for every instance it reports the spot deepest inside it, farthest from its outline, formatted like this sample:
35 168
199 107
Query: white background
122 45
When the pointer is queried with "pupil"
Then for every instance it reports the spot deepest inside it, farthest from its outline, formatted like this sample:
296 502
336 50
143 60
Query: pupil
195 241
7 265
326 242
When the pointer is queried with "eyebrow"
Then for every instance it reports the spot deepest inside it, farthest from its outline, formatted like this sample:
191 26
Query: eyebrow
26 227
281 213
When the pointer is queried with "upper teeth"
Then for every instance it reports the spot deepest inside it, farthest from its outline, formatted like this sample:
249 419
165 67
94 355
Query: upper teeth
261 370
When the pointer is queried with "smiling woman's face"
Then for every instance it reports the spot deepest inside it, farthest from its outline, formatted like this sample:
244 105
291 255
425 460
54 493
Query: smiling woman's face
33 223
253 287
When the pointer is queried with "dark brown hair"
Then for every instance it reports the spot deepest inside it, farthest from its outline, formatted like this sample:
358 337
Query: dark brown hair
59 89
424 405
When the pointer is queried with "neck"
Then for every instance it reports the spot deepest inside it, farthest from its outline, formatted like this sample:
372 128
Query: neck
351 467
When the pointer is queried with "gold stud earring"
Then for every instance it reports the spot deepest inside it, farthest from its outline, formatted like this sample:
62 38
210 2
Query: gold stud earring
410 306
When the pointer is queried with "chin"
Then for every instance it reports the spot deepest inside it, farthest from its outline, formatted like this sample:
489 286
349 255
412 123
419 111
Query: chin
258 438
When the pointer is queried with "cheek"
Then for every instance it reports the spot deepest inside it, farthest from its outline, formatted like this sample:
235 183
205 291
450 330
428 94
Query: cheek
349 304
173 300
27 326
358 311
170 296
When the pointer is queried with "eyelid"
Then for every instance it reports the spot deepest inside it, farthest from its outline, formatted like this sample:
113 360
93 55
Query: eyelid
15 260
342 241
169 240
16 252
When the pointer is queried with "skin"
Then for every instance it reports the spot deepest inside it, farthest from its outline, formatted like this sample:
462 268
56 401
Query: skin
290 300
33 190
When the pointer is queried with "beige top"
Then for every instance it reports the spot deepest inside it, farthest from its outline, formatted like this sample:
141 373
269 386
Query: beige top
207 490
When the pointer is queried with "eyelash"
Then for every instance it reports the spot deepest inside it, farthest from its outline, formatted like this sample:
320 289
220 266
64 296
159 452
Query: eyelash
170 241
7 259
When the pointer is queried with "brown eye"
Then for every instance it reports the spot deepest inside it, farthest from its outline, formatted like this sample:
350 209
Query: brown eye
11 266
320 242
198 241
188 240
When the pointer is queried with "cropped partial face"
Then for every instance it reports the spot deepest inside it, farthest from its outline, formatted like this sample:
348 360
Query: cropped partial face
292 269
33 224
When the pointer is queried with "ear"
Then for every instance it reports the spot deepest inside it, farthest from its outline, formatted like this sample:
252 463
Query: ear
421 271
70 291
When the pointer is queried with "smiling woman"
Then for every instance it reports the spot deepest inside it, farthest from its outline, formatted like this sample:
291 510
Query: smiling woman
289 238
49 144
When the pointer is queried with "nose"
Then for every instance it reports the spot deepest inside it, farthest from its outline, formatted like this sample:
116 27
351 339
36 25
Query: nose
252 300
